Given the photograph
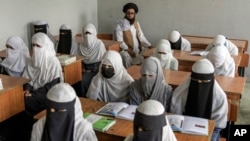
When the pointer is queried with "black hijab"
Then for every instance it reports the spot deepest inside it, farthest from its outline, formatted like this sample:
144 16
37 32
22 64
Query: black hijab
40 28
176 45
200 95
59 125
148 127
65 41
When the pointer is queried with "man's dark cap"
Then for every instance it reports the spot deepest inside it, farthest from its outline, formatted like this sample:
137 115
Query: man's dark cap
130 6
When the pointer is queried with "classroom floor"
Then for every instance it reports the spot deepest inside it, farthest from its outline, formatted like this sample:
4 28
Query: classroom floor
244 110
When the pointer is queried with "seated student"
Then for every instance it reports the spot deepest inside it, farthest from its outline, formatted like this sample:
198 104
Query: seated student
221 40
92 49
17 56
163 52
201 96
112 82
42 26
178 42
64 119
66 44
223 62
43 70
151 123
151 85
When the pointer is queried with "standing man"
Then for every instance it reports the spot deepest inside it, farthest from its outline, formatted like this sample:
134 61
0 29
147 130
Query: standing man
128 31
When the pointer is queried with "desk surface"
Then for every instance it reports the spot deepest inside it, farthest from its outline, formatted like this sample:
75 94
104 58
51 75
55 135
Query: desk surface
123 128
11 96
233 86
186 59
72 72
109 44
10 82
202 40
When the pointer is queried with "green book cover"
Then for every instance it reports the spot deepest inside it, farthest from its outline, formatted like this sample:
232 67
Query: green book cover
100 123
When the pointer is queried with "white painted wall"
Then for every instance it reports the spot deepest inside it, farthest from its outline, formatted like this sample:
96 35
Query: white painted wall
16 16
192 17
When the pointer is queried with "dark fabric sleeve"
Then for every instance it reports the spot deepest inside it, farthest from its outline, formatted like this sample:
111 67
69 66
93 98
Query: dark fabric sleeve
2 70
132 95
168 99
46 87
27 86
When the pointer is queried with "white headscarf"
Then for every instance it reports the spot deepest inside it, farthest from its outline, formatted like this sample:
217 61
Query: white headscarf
44 65
62 93
155 108
16 58
221 40
115 88
167 60
153 87
223 62
219 106
174 36
91 48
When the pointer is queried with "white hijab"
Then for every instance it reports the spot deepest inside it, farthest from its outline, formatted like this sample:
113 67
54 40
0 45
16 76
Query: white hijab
91 47
221 40
63 92
219 107
115 88
223 62
44 65
16 58
154 108
165 59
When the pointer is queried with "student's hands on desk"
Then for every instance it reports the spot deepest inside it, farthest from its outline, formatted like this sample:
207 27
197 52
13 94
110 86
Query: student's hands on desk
27 93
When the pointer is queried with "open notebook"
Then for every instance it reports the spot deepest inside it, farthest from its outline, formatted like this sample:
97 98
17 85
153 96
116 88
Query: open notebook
119 110
188 124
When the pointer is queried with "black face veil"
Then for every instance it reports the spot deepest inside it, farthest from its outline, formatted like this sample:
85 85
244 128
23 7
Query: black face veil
147 127
200 95
60 119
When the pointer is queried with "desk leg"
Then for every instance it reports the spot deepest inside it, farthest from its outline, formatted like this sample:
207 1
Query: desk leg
241 71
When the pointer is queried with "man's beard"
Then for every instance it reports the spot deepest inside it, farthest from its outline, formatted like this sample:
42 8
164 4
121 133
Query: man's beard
131 21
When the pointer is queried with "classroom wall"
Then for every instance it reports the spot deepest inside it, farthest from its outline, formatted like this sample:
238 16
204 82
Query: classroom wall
16 16
192 17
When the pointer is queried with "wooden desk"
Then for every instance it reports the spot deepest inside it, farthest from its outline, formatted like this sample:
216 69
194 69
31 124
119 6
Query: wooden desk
123 128
11 96
233 86
109 44
201 42
72 73
186 60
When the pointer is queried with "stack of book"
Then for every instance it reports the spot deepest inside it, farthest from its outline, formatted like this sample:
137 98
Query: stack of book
66 59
